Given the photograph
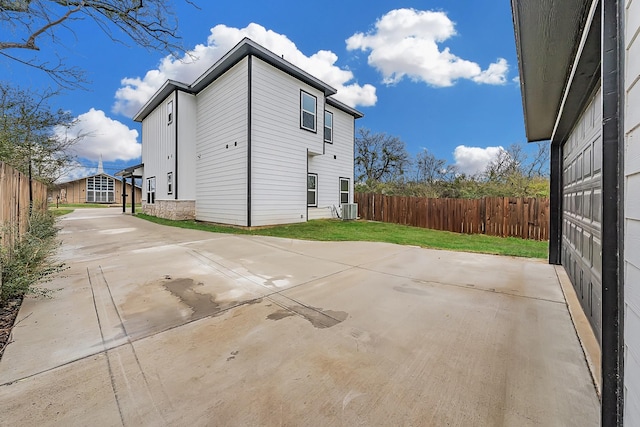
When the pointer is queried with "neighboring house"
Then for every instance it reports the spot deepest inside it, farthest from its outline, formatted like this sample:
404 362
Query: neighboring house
98 188
580 76
253 141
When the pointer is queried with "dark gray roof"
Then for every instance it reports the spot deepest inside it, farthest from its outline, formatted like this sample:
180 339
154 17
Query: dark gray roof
244 48
549 34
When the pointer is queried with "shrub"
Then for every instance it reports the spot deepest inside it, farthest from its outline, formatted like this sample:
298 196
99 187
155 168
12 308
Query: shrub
31 261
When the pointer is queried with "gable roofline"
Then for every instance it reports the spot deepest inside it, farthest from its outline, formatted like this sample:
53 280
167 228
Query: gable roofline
58 184
161 94
245 47
344 107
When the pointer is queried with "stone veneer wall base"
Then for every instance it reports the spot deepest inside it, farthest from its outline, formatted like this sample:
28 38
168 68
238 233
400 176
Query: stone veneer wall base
171 209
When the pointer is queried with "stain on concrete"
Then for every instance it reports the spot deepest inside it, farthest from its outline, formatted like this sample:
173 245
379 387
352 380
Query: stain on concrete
318 317
202 305
406 289
233 355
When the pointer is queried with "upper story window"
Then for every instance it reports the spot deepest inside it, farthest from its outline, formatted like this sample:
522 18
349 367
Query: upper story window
307 111
328 127
170 112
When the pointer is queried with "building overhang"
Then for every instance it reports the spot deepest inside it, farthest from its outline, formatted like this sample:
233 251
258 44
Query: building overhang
558 47
132 171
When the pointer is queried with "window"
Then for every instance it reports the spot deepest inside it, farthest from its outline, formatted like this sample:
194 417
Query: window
312 189
307 111
170 183
344 190
100 189
151 190
328 127
169 112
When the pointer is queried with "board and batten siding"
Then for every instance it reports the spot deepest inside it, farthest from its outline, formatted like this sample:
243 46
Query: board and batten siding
158 148
186 117
279 146
632 214
221 148
330 169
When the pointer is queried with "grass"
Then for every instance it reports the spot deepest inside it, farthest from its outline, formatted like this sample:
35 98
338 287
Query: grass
60 211
368 231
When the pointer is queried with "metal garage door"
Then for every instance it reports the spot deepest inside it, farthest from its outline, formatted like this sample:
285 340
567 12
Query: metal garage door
582 210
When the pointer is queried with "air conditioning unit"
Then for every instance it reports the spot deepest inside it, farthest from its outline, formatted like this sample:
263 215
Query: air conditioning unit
349 211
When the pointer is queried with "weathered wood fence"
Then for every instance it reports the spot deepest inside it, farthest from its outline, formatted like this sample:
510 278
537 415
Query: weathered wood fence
14 197
527 218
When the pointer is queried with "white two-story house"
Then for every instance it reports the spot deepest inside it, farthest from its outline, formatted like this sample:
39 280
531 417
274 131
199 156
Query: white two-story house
253 141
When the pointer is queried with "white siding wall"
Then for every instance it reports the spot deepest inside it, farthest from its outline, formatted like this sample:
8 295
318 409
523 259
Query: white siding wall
632 215
186 116
330 169
279 146
221 148
158 149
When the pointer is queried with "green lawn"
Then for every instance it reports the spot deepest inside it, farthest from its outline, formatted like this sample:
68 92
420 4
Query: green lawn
87 205
336 230
60 211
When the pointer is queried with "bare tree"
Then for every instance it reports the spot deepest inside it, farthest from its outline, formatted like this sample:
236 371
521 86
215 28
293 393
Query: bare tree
151 24
515 173
32 135
379 157
430 169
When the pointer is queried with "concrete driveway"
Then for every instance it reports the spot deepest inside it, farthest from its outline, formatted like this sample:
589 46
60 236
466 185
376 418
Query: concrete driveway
155 325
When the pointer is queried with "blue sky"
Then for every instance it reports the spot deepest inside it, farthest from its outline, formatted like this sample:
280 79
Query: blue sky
441 75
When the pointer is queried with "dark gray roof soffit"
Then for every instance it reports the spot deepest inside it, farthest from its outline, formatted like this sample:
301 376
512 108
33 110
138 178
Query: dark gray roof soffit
246 47
548 36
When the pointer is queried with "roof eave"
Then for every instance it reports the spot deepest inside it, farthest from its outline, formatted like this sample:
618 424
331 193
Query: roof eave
344 107
547 36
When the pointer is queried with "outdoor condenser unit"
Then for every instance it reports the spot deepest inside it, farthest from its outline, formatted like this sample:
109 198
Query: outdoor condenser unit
349 211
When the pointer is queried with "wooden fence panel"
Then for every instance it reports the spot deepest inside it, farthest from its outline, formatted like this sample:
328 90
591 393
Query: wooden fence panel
527 218
14 197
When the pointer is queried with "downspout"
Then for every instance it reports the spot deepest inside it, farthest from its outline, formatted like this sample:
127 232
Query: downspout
249 72
175 173
612 233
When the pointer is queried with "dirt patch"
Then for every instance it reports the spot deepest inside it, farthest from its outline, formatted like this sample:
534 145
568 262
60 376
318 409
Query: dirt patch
8 314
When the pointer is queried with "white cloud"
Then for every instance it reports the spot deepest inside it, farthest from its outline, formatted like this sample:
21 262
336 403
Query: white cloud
405 42
135 91
102 136
473 160
516 80
76 171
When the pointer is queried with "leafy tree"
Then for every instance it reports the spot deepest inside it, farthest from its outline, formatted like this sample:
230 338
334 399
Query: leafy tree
151 24
379 157
32 134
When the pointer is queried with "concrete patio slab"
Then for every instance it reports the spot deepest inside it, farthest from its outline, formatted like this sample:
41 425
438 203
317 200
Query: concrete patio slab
155 325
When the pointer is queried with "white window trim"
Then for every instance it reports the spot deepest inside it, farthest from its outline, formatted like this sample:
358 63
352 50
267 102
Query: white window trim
151 190
169 112
314 113
330 140
341 192
315 190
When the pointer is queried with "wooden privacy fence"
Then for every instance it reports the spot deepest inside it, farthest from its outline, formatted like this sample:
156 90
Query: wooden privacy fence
527 218
14 196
